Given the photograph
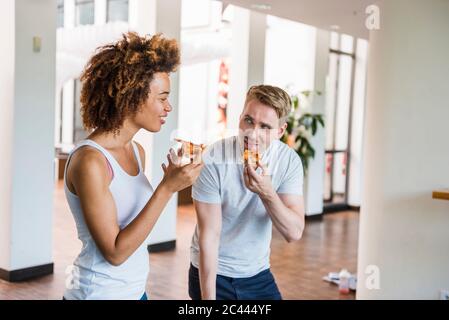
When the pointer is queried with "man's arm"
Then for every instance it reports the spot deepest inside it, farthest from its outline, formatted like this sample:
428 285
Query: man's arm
286 210
209 229
287 213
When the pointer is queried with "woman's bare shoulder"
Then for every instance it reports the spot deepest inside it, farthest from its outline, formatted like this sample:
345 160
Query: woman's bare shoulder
87 163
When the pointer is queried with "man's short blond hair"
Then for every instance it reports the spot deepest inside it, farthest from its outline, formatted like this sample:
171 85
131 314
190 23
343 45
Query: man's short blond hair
273 97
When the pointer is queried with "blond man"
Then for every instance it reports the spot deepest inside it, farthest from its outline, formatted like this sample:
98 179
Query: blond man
248 184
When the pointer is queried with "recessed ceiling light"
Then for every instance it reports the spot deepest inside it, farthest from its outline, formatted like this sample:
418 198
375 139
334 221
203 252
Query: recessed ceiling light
261 6
335 27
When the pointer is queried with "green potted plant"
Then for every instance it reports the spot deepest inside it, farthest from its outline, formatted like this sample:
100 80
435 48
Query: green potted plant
302 126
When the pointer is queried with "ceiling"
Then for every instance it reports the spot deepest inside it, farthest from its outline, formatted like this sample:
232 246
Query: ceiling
348 15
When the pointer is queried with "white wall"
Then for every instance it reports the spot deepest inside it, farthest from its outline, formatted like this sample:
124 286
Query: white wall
7 62
27 168
403 230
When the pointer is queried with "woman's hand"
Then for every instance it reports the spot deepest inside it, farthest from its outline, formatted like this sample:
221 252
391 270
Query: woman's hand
177 176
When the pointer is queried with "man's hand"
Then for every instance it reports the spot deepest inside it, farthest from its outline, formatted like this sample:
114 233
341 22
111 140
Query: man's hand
258 183
286 211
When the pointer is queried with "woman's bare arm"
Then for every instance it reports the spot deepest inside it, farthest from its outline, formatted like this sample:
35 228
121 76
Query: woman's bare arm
90 179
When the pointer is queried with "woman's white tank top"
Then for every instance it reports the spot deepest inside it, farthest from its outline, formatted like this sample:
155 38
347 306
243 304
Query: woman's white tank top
92 277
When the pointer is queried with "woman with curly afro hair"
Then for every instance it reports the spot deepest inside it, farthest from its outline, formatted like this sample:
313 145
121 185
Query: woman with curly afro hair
125 88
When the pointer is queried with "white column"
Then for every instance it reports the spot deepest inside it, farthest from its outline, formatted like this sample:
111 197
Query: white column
238 67
403 232
256 50
142 16
247 60
142 19
168 22
69 13
150 17
27 100
100 8
314 182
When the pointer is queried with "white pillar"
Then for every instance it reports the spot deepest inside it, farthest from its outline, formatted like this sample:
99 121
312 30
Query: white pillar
27 99
238 67
247 63
314 182
100 12
150 17
168 22
69 13
403 231
256 50
142 19
142 16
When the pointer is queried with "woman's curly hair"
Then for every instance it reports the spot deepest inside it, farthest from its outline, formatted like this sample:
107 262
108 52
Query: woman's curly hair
116 80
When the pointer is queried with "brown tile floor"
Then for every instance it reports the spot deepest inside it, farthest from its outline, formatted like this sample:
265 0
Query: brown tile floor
327 245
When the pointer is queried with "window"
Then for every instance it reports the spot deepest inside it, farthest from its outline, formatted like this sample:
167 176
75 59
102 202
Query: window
84 12
339 111
60 14
117 10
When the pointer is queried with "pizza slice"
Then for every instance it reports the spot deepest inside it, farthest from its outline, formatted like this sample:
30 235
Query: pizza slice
191 150
250 157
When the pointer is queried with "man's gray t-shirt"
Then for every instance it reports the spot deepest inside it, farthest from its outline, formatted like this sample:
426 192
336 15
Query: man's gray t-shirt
244 248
